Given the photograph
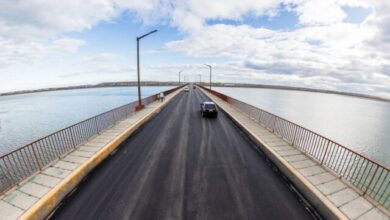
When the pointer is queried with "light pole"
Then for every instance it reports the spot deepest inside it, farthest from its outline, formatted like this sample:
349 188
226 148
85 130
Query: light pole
179 76
210 72
200 79
138 69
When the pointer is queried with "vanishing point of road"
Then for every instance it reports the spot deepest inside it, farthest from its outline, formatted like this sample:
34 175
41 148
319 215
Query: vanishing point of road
182 166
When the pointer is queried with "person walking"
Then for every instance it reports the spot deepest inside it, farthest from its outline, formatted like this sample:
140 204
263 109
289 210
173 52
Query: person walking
162 96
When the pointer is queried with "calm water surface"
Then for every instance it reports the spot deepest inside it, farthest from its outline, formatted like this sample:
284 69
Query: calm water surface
361 124
27 117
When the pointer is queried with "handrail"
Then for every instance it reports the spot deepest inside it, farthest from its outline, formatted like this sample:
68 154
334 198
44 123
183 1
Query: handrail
25 161
369 177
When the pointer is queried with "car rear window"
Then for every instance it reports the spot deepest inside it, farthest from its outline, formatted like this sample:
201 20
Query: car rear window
210 106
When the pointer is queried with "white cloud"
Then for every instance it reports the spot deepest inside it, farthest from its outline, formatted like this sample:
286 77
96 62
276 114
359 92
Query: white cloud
223 40
54 16
339 58
15 52
321 12
189 16
323 51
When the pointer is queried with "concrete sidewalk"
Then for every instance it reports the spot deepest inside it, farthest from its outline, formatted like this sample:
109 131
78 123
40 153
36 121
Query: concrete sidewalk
38 195
327 193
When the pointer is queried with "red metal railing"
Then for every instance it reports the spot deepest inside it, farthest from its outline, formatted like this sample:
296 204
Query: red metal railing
21 163
369 177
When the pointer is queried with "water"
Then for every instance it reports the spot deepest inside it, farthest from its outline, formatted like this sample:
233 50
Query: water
360 124
27 117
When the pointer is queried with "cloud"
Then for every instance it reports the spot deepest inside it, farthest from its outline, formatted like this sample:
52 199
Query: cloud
222 40
54 16
14 52
43 17
34 30
319 12
341 58
322 50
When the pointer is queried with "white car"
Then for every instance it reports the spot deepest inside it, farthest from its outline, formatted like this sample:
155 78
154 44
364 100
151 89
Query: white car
186 89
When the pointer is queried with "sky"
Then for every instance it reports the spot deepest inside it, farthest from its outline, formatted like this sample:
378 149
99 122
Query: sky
341 45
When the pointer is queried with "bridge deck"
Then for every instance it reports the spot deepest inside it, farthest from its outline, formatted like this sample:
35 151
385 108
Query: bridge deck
182 166
38 195
307 173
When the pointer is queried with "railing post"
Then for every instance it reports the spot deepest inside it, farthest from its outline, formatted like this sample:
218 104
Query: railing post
7 175
273 124
129 110
113 117
373 176
295 134
326 151
252 113
96 125
261 114
72 137
36 157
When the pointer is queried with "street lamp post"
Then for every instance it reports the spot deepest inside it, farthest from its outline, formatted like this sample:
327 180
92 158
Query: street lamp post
210 72
200 79
179 76
138 68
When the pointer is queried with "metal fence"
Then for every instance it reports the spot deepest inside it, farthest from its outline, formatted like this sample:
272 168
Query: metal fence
23 162
369 177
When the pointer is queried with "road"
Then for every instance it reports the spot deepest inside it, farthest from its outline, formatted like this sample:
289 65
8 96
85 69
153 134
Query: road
182 166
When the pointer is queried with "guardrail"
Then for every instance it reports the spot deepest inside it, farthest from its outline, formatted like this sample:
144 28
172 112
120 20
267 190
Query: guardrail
23 162
371 178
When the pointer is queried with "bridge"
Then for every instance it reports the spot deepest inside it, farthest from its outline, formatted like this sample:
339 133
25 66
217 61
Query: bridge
167 162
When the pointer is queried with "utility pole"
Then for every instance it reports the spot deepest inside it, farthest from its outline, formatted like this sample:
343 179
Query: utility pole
138 69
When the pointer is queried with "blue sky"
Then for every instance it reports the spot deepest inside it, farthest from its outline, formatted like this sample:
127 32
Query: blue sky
336 44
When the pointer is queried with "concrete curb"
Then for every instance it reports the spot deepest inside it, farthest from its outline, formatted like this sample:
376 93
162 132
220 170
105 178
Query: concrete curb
49 202
326 208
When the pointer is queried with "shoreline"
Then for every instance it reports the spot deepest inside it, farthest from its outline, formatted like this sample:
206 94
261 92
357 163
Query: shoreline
232 85
349 94
100 85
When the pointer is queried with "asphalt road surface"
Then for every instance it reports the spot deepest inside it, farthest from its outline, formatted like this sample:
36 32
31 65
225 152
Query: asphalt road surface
182 166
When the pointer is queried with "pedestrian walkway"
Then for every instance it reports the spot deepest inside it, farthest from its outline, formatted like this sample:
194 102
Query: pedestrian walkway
315 180
38 195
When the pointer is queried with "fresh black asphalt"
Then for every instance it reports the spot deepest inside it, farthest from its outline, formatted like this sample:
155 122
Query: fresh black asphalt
182 166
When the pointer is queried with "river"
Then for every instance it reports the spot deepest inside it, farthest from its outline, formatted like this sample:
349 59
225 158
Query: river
358 123
27 117
361 124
